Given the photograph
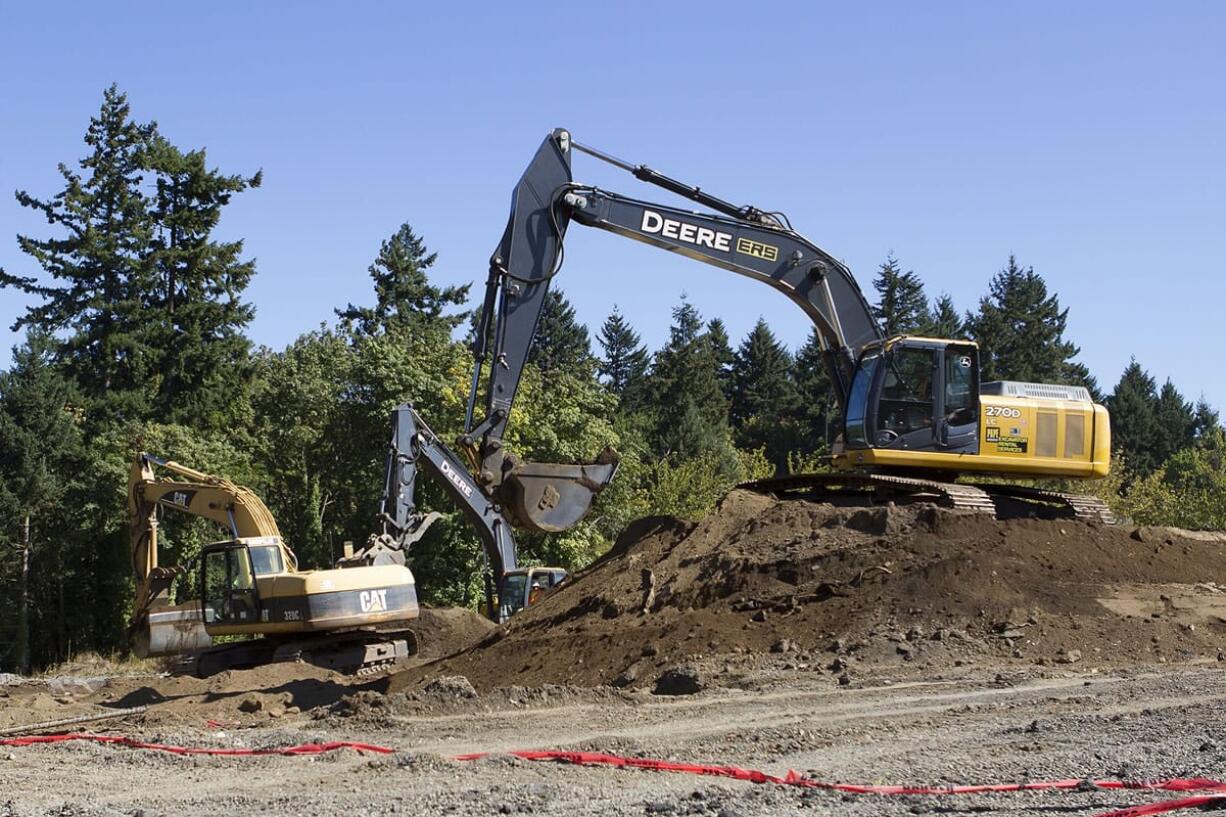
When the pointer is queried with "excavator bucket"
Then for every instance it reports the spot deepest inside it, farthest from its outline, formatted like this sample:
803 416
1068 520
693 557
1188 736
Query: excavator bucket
552 497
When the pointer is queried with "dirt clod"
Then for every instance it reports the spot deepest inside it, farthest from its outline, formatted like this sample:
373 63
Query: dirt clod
684 680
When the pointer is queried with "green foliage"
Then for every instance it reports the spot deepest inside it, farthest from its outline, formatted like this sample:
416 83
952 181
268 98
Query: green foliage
204 368
1134 422
902 307
1189 491
1020 329
722 354
562 343
403 294
817 411
764 397
624 363
689 416
943 320
100 265
689 489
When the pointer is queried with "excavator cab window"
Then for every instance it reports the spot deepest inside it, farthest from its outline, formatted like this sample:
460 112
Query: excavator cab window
512 594
858 407
228 580
905 411
266 560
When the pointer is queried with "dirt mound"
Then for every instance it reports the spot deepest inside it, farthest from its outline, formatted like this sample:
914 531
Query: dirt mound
442 631
811 585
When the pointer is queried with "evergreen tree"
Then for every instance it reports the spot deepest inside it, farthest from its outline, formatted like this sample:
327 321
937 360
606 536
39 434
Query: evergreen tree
562 342
689 415
1207 422
100 265
1134 422
404 295
1078 374
40 457
625 360
1020 329
203 352
943 320
721 352
901 306
764 398
1176 423
817 412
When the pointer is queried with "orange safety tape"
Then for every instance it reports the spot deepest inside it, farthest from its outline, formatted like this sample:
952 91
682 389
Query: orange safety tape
1216 788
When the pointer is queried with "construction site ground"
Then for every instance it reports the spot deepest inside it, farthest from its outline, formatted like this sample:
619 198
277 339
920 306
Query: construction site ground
881 645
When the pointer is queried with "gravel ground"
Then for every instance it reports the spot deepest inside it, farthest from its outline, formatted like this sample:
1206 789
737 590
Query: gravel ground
982 727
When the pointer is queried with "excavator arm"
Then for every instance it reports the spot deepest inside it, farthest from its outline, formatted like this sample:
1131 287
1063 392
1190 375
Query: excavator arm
155 483
413 443
503 490
743 239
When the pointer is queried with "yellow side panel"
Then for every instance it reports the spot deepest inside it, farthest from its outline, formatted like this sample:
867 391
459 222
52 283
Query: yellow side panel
1018 436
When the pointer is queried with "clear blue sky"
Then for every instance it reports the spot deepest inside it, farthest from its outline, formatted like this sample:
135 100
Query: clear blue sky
1087 138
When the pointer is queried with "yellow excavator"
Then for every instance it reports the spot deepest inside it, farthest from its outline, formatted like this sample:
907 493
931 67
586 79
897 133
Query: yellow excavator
349 617
916 422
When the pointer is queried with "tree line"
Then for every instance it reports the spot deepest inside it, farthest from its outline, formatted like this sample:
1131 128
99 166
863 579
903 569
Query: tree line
136 339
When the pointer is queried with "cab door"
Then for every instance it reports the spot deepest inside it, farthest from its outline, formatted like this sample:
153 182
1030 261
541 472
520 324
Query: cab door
958 400
229 594
907 406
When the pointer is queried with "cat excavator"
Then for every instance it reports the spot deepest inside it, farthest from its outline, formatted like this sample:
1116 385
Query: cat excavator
351 617
916 423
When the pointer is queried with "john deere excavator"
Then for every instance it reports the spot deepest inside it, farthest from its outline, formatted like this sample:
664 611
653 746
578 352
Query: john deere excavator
351 617
915 417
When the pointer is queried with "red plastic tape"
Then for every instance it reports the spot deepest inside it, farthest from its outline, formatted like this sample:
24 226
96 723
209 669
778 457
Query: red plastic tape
1216 788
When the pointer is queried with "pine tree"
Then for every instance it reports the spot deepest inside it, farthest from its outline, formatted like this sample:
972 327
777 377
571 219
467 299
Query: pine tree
404 296
203 352
1208 422
40 455
562 342
1176 423
1078 374
100 265
687 409
1020 329
764 398
817 411
1134 422
902 307
721 352
943 320
625 359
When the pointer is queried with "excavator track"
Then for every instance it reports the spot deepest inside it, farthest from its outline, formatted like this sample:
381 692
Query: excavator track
881 488
979 498
1082 506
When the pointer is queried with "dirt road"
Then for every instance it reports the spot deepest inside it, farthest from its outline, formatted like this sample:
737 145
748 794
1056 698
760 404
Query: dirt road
976 728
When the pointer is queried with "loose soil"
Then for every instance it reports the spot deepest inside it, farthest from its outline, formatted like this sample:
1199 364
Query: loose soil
767 582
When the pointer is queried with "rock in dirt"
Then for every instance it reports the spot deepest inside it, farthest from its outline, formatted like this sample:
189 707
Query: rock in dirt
1069 656
250 705
68 685
451 686
9 679
683 680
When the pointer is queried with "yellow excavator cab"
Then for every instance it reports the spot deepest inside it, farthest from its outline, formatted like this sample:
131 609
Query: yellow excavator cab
525 586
